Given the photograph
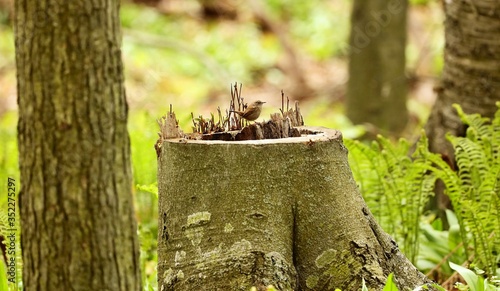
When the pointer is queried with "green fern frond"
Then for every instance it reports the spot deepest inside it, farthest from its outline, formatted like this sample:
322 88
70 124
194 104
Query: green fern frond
475 122
474 188
495 140
394 185
472 162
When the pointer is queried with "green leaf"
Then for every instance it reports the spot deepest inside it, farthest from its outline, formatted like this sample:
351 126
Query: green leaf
470 277
389 284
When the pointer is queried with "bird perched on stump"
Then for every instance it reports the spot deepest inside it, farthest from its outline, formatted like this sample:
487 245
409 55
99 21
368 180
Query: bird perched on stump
252 112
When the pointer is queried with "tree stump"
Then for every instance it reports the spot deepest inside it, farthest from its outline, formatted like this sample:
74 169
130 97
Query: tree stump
283 212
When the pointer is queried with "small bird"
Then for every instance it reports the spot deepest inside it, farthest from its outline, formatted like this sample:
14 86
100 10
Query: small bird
252 112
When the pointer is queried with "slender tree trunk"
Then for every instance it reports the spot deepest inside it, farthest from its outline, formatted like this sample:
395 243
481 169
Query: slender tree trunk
76 207
377 87
284 212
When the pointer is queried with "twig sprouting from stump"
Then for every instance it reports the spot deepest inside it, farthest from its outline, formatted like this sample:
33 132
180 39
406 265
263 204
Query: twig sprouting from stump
293 114
230 126
169 128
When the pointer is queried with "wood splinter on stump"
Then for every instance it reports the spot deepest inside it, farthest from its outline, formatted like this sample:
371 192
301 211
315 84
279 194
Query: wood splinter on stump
284 212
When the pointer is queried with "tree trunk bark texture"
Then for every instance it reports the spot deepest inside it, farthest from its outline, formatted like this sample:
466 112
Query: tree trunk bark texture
377 87
282 212
471 74
471 77
77 218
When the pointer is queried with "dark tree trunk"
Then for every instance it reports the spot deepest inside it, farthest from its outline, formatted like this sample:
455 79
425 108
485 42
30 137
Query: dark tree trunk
285 212
77 218
377 87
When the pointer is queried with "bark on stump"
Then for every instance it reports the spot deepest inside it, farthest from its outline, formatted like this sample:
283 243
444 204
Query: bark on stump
285 212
